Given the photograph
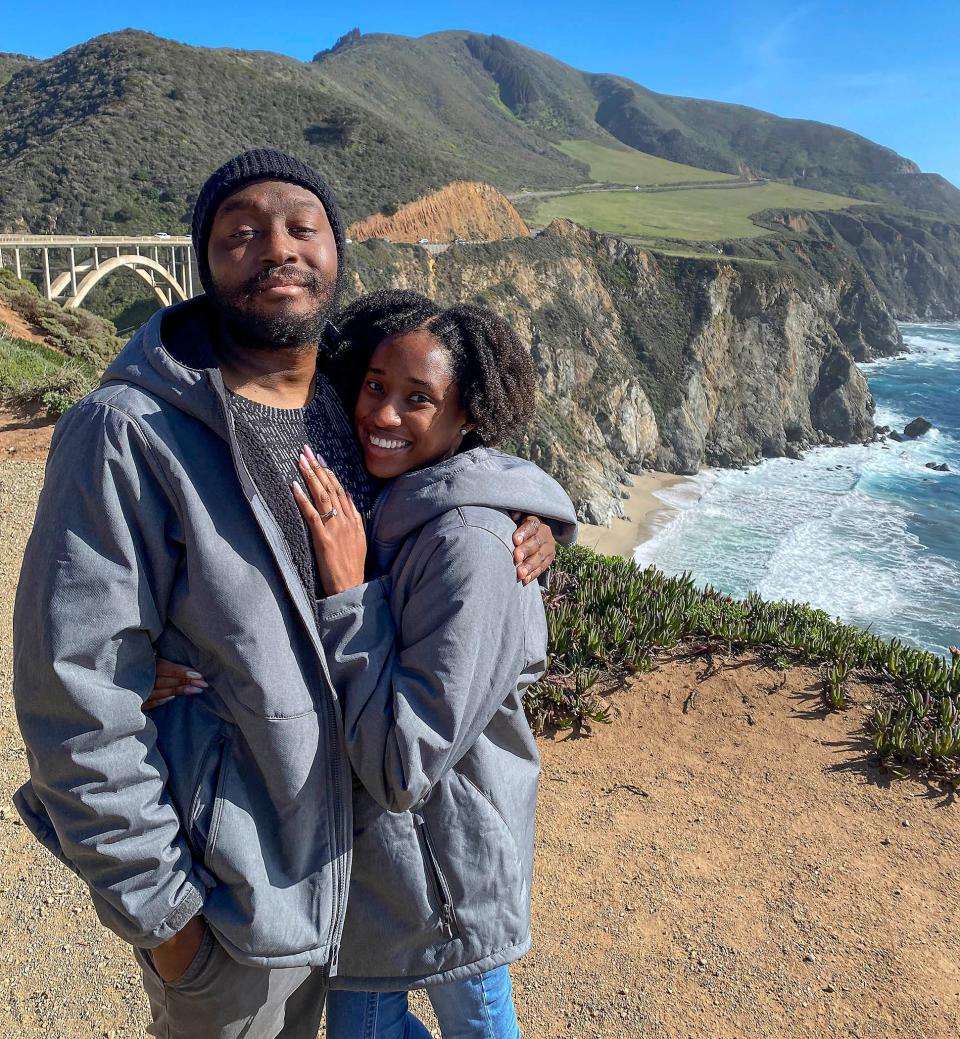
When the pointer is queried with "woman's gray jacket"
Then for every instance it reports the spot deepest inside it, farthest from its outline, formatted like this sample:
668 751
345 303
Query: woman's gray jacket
430 663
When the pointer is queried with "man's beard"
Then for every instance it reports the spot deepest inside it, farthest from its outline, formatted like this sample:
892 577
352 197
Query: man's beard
282 330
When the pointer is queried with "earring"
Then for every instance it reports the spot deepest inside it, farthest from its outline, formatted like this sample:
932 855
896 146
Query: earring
464 431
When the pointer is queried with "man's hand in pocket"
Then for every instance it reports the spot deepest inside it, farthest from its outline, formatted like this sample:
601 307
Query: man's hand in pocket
177 953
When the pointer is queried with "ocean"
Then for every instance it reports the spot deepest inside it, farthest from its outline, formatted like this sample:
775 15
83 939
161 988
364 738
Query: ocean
866 533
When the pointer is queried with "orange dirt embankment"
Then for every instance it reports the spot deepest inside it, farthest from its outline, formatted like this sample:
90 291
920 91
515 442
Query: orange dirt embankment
463 209
18 326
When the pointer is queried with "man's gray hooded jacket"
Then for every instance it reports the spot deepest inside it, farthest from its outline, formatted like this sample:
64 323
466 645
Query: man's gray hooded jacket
150 538
430 663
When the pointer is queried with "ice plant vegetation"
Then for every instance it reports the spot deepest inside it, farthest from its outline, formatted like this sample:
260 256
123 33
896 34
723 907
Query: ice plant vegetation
609 618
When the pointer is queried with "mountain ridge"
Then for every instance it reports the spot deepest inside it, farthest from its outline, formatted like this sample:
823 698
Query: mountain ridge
446 106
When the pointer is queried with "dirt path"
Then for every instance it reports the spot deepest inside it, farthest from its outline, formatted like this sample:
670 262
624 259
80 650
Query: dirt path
583 189
734 870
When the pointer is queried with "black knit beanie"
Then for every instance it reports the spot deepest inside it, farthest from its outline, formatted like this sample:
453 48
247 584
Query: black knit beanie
259 164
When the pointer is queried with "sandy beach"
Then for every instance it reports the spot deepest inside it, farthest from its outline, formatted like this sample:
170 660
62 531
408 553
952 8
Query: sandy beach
646 514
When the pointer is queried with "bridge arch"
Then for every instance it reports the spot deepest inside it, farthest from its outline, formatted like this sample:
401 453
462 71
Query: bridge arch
141 265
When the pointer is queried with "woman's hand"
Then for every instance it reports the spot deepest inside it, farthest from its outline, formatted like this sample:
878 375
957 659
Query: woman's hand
336 527
173 680
536 547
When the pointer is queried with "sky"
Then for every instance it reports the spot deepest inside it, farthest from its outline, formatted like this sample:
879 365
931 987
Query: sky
889 71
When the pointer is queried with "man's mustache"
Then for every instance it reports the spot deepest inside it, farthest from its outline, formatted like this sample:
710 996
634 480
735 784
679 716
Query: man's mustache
286 272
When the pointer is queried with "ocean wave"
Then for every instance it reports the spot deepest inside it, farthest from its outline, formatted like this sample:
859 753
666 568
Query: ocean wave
830 530
866 532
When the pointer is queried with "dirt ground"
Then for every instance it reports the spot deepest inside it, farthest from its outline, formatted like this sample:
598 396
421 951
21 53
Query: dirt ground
25 433
735 869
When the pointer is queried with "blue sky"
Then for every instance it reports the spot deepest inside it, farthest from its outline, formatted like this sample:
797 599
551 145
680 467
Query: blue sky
889 71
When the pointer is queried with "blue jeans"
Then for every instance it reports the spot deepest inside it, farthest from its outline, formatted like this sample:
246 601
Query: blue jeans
477 1008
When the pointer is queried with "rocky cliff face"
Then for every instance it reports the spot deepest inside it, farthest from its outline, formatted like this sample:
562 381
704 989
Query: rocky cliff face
463 209
651 360
904 264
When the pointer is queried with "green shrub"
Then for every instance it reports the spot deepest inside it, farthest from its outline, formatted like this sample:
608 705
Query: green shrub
607 617
34 372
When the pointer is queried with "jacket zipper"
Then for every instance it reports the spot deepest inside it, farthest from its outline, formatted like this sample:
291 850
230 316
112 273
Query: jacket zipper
448 918
216 747
342 867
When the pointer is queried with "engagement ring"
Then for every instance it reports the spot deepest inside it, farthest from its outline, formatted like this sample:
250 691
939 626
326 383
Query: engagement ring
329 515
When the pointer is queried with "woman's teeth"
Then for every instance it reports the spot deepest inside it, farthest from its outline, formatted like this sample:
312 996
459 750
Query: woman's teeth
391 445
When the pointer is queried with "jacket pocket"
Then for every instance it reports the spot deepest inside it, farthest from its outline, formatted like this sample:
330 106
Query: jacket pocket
197 966
208 790
485 799
448 915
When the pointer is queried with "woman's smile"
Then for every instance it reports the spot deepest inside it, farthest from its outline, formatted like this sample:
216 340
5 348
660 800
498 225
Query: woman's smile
383 442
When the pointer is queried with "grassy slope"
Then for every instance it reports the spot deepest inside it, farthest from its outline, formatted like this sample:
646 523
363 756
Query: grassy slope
698 214
628 166
77 346
447 100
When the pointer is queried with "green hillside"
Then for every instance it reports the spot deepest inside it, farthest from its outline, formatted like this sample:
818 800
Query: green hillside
627 166
11 64
556 103
117 134
700 214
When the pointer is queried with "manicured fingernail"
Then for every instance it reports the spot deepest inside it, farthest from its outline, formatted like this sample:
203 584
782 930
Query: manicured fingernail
519 538
194 674
297 490
192 690
314 458
304 461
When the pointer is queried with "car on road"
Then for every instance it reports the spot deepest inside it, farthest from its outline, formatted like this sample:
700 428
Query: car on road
423 241
459 241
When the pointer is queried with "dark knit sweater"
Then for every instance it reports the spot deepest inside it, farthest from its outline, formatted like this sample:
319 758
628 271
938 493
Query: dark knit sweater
271 440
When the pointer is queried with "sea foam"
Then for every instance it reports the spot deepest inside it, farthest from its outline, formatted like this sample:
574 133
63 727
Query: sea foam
865 532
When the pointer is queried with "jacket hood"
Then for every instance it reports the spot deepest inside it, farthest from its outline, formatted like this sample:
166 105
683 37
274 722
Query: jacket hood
171 357
482 477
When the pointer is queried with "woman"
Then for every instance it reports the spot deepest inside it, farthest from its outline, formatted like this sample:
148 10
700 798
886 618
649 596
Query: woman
430 657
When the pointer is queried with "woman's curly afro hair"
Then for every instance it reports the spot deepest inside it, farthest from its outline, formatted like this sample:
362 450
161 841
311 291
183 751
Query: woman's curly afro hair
493 371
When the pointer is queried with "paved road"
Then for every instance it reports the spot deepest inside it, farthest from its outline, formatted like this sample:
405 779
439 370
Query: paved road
522 196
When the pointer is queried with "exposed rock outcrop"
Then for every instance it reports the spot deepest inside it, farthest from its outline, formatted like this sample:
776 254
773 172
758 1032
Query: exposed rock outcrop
917 427
463 209
653 360
893 266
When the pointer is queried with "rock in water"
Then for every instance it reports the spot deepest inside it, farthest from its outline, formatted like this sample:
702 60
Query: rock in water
917 427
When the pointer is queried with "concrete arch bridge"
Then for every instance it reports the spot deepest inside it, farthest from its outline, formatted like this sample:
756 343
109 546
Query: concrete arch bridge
71 265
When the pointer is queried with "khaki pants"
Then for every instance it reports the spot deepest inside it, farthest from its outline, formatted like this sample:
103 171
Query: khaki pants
218 998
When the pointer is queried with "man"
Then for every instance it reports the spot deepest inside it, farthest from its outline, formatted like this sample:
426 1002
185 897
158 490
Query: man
215 835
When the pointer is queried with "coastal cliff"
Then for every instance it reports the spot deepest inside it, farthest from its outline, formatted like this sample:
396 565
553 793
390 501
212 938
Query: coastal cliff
650 360
904 262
